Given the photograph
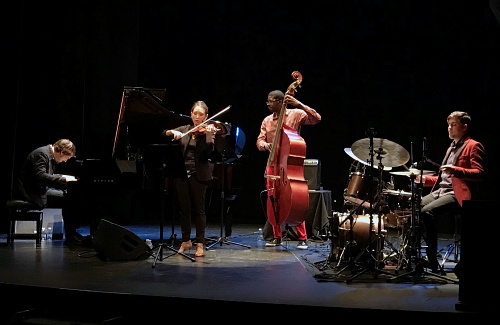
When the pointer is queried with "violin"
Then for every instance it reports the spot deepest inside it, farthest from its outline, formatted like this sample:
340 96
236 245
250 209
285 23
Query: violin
202 130
218 125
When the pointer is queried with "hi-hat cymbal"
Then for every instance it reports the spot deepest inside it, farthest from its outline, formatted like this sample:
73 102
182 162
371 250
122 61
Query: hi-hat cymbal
413 171
349 152
389 153
394 192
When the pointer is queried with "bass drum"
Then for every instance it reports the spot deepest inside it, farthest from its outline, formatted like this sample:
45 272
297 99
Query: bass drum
360 233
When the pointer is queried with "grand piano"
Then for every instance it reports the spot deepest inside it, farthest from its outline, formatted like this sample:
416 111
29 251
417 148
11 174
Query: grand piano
142 119
118 188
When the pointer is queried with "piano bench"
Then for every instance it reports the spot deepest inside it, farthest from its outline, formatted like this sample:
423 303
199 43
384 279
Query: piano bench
20 210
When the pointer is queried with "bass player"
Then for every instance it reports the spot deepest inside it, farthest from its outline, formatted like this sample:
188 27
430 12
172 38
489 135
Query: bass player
296 114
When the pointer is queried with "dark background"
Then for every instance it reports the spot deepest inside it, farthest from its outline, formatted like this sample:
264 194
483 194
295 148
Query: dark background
398 66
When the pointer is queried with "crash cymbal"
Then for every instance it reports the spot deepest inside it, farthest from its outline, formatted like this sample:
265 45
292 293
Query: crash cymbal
413 171
394 192
375 165
389 153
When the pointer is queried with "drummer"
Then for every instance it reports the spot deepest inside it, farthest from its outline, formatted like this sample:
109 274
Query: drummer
458 180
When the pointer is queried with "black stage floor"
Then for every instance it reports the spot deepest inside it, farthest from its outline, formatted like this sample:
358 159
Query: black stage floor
81 284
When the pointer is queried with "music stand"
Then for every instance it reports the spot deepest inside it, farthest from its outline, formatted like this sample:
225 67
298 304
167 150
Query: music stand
226 152
167 161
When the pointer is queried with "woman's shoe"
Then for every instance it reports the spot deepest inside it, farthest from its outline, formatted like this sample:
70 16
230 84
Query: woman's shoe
185 245
200 251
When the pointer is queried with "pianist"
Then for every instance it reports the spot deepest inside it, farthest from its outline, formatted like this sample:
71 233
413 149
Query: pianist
37 181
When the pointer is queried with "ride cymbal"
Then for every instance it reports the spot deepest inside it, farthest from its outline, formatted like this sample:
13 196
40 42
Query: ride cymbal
389 153
413 171
375 165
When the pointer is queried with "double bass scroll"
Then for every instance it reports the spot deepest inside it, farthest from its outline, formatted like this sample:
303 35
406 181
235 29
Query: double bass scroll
287 190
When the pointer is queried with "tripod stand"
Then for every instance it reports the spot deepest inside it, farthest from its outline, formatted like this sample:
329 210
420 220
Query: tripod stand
415 234
166 161
225 152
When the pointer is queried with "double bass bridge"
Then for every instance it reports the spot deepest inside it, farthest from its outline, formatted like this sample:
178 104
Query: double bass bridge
273 177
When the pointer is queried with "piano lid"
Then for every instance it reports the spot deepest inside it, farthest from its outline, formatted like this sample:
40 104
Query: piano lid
143 117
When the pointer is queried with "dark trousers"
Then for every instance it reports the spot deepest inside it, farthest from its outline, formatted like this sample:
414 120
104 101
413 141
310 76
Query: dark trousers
191 199
433 208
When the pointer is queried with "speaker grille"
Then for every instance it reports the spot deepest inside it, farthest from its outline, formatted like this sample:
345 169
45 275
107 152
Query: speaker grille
113 242
312 173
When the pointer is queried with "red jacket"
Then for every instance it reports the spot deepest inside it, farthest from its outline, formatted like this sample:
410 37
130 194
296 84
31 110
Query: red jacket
469 169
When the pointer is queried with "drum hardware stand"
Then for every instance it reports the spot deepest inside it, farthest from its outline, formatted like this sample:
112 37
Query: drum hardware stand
223 240
402 244
403 248
373 261
347 245
393 250
415 232
452 248
333 231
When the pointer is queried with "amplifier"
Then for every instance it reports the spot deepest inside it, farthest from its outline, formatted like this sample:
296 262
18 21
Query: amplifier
312 173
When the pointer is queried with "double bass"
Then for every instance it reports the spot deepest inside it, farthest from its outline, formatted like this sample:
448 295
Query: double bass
287 190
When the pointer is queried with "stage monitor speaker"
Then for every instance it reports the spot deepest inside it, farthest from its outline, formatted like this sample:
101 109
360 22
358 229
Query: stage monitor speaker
113 242
312 173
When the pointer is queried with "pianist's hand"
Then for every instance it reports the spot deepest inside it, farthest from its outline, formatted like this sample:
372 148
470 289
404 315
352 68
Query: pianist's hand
70 178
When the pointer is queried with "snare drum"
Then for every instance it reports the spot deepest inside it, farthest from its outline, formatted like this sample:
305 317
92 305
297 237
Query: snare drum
391 220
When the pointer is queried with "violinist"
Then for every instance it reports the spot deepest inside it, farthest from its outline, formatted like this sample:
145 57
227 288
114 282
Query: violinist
296 114
197 143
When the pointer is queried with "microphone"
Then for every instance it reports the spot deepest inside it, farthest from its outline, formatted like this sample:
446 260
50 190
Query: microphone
432 162
358 167
371 130
416 164
391 184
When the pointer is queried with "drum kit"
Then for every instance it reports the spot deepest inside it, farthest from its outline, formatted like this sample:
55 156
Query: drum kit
373 207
